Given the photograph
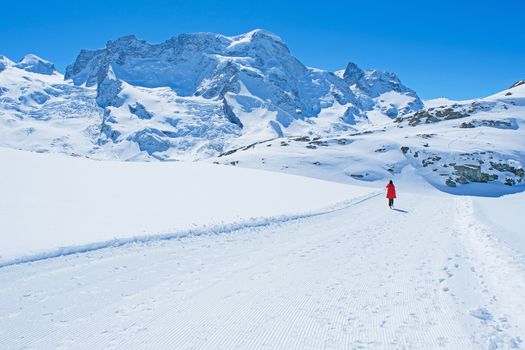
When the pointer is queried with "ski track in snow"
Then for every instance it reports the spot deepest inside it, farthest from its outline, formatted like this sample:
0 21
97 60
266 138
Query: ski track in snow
360 277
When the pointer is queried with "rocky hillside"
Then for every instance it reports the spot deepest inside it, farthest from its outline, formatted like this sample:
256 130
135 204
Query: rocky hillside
463 147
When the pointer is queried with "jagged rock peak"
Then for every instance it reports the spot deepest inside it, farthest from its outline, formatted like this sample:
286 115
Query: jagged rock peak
123 40
353 73
197 41
372 80
214 66
185 57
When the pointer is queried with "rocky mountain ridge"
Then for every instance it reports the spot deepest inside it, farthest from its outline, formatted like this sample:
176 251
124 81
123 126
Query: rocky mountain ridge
204 96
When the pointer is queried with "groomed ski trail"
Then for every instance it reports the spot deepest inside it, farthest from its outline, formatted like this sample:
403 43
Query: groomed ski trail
361 277
209 230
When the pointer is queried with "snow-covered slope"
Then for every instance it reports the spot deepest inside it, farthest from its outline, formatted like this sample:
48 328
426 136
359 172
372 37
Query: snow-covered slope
469 147
429 275
33 63
501 214
246 100
53 204
476 141
198 95
256 84
40 112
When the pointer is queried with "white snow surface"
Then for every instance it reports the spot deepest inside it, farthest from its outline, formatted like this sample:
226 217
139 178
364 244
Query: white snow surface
502 214
427 275
53 204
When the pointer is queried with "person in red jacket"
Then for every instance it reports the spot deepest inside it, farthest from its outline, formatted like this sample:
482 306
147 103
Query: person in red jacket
390 193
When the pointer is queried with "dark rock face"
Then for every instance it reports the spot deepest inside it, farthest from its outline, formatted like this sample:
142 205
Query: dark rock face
438 114
353 74
80 70
518 83
39 97
371 83
433 115
228 112
499 124
503 167
351 114
108 89
140 111
472 173
150 141
450 183
430 160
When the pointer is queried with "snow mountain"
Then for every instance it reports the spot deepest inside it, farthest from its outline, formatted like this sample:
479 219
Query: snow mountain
35 64
41 112
380 89
246 100
250 84
196 95
471 147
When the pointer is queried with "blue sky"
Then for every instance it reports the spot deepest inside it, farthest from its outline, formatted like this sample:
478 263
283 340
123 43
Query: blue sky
458 49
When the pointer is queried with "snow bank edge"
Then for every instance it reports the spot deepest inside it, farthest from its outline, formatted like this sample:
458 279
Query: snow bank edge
195 232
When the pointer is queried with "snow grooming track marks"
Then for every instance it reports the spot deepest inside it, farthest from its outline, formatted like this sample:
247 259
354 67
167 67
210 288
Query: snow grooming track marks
206 230
359 277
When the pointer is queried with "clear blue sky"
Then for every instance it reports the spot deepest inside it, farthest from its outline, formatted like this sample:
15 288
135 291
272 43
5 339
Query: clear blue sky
459 49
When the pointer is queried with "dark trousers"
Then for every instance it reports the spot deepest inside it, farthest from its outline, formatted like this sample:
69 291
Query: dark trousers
390 202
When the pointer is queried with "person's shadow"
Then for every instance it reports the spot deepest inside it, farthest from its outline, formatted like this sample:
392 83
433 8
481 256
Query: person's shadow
400 210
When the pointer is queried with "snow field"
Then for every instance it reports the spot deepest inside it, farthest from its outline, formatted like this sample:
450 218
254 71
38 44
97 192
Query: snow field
54 204
362 276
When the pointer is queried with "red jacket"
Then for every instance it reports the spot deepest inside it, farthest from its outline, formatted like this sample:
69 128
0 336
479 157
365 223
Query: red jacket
390 191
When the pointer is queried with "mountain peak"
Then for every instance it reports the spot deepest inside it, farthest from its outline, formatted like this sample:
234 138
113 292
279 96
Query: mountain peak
33 63
353 73
5 59
380 74
258 39
5 62
124 40
262 33
187 62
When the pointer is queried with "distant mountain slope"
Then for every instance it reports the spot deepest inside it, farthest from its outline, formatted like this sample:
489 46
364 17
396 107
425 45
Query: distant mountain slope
209 96
463 147
198 95
40 112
